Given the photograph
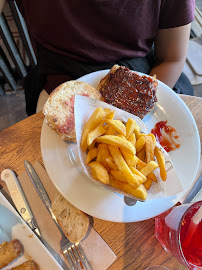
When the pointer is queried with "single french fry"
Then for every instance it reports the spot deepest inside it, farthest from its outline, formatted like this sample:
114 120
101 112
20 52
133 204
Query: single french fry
92 153
132 139
130 127
117 125
117 141
148 183
139 192
103 154
135 171
140 163
91 146
131 160
118 176
121 136
107 110
161 161
98 131
99 171
91 124
123 167
94 174
149 148
110 131
153 138
110 115
140 143
141 135
110 163
149 168
153 177
141 154
137 131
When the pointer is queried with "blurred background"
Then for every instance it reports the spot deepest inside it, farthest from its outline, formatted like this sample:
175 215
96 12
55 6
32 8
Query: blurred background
17 57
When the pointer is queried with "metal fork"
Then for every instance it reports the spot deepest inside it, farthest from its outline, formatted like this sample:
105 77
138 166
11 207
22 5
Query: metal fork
73 252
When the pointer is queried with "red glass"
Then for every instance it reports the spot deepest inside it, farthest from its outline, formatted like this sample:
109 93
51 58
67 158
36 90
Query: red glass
171 229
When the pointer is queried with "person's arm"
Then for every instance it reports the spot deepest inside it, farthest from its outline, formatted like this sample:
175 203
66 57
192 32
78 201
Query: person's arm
2 5
170 51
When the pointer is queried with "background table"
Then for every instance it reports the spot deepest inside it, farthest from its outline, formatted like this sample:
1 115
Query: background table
133 243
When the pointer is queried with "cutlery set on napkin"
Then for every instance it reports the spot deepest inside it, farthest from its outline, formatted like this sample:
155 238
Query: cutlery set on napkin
83 255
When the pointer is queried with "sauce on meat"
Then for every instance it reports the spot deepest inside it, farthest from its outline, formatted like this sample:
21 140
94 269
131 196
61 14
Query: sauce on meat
166 136
128 91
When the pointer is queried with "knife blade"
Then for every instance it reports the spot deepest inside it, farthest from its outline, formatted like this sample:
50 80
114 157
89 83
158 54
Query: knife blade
20 200
39 187
195 190
45 199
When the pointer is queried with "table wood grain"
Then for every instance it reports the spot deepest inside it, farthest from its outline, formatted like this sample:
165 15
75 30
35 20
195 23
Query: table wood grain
133 243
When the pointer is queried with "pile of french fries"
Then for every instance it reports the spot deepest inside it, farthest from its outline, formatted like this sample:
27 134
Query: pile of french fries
120 155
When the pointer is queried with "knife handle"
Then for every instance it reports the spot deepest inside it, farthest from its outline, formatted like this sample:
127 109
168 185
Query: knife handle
17 194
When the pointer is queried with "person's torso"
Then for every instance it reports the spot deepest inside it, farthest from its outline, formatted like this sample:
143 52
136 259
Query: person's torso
97 30
102 30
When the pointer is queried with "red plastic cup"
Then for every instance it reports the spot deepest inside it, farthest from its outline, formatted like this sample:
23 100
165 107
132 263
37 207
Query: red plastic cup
176 234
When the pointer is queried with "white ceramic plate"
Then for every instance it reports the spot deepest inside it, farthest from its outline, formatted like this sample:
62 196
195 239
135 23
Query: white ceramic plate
13 227
102 203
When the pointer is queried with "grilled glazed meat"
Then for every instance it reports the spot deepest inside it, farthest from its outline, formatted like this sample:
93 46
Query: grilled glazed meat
127 90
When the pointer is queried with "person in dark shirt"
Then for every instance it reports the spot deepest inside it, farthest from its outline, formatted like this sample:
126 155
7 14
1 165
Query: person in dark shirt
73 38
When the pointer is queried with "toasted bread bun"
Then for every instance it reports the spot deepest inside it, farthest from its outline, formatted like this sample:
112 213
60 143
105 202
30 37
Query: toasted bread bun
59 108
73 222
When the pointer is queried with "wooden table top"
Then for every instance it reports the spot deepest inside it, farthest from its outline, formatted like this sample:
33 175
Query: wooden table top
134 243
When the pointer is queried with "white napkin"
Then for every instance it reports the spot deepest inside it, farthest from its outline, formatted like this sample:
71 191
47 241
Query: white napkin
88 105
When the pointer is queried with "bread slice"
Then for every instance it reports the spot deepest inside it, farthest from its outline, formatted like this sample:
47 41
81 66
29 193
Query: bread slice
73 222
59 108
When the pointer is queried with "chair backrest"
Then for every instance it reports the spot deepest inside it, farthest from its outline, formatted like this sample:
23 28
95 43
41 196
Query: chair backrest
16 52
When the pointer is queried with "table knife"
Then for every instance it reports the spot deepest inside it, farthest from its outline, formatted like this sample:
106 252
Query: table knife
196 189
38 185
45 199
20 200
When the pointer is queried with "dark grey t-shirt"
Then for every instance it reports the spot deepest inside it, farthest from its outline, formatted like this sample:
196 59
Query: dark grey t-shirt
102 30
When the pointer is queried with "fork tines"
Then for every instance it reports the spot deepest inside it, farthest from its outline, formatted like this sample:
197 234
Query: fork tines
76 257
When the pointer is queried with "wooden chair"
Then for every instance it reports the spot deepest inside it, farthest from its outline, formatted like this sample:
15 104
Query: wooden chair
11 74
